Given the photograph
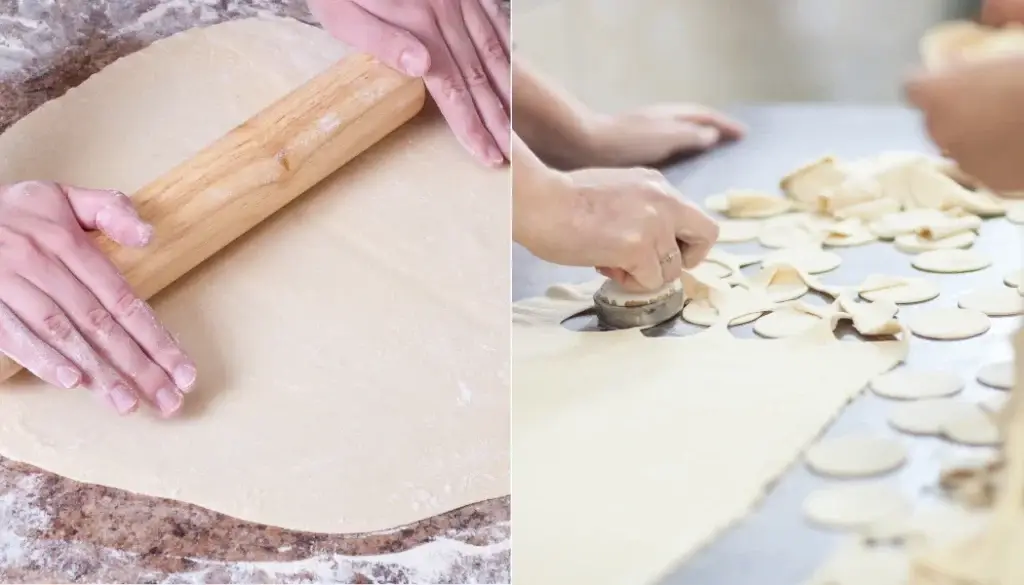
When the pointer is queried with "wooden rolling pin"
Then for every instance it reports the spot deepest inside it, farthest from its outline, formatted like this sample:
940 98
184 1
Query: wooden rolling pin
205 203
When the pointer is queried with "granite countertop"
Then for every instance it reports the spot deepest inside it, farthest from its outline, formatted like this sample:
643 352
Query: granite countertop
53 529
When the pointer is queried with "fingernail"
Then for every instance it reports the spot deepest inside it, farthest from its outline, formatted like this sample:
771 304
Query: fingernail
124 399
708 136
68 377
412 64
168 399
145 233
184 377
493 156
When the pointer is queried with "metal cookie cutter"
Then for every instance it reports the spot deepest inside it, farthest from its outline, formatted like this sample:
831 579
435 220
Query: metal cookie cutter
619 309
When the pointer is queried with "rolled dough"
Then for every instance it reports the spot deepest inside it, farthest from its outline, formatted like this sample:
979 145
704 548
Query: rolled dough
948 324
996 301
658 415
909 384
951 261
352 351
856 505
855 456
997 375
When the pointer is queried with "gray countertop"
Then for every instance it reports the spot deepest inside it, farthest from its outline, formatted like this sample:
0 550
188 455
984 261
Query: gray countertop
773 545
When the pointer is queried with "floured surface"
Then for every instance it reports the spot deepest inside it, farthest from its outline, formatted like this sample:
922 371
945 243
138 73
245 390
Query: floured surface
673 415
395 414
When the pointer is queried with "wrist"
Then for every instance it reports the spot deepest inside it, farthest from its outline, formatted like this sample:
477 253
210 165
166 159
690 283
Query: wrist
539 201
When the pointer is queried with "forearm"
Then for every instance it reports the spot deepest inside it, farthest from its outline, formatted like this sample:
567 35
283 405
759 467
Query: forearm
551 123
535 188
1002 12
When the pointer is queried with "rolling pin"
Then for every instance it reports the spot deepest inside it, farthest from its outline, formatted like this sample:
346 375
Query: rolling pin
205 203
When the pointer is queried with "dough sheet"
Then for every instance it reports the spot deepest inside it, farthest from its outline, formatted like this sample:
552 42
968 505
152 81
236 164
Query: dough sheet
352 350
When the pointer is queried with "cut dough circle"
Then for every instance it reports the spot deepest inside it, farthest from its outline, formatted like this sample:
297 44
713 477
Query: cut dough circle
997 301
738 230
915 244
700 312
785 322
914 290
948 324
787 291
857 505
951 261
1013 279
855 456
925 417
909 384
811 260
1015 214
974 426
998 375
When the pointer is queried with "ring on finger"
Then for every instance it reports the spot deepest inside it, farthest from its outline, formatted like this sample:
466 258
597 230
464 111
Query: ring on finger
668 258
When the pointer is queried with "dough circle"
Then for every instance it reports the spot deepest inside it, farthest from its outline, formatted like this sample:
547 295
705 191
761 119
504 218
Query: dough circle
856 505
948 324
998 375
997 301
785 322
1013 279
702 313
855 456
738 230
925 417
951 261
915 290
373 395
915 244
811 260
974 427
909 384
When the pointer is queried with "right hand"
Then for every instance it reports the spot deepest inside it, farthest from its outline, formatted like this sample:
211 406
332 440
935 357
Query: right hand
628 223
1002 12
66 313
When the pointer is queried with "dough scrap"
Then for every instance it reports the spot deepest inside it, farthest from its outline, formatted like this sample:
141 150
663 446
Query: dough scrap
996 301
810 259
747 204
780 282
926 417
947 324
573 399
350 404
910 384
893 225
855 456
848 233
911 290
738 230
873 318
951 261
856 505
998 375
974 426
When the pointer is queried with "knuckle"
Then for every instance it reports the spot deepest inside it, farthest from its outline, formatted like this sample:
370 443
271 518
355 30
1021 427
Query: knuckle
476 76
18 247
58 327
101 321
59 238
493 50
127 305
453 87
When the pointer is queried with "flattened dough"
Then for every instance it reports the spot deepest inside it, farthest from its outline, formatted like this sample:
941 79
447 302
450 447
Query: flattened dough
947 324
810 259
997 375
738 230
647 424
951 261
925 417
911 384
785 322
342 387
856 505
997 301
855 456
913 290
974 426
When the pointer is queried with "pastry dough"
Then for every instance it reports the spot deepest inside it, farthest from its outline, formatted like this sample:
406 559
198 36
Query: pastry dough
855 456
343 387
856 505
641 417
948 324
909 384
997 375
951 261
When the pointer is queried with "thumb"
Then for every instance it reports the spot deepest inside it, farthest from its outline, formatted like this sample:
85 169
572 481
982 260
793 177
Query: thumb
110 212
354 25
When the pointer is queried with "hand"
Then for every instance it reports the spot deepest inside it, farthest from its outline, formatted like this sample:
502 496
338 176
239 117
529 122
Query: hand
627 222
973 114
1002 12
656 133
66 313
459 47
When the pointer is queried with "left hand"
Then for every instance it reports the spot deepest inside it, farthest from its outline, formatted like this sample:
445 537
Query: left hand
973 113
459 47
653 134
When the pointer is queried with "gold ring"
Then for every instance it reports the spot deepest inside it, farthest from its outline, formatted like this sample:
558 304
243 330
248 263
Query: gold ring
668 257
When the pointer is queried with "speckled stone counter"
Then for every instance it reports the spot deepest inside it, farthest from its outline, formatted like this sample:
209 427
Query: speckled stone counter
54 530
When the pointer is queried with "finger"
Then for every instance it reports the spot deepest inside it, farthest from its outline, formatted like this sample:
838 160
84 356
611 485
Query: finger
670 256
696 137
352 24
645 270
729 127
697 230
494 57
501 23
481 93
1002 12
45 321
19 343
110 212
101 305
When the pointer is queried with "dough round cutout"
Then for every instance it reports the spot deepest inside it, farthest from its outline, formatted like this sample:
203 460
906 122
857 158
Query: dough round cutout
811 260
856 505
946 324
855 456
782 237
994 403
738 230
789 291
915 290
999 375
915 244
951 261
926 417
707 270
974 426
1015 214
997 301
785 322
702 313
909 384
1013 279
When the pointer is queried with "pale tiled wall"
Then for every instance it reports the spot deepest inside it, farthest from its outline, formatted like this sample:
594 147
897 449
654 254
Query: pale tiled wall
619 53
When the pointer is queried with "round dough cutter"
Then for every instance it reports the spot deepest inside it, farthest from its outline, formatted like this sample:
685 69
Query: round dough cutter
619 309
